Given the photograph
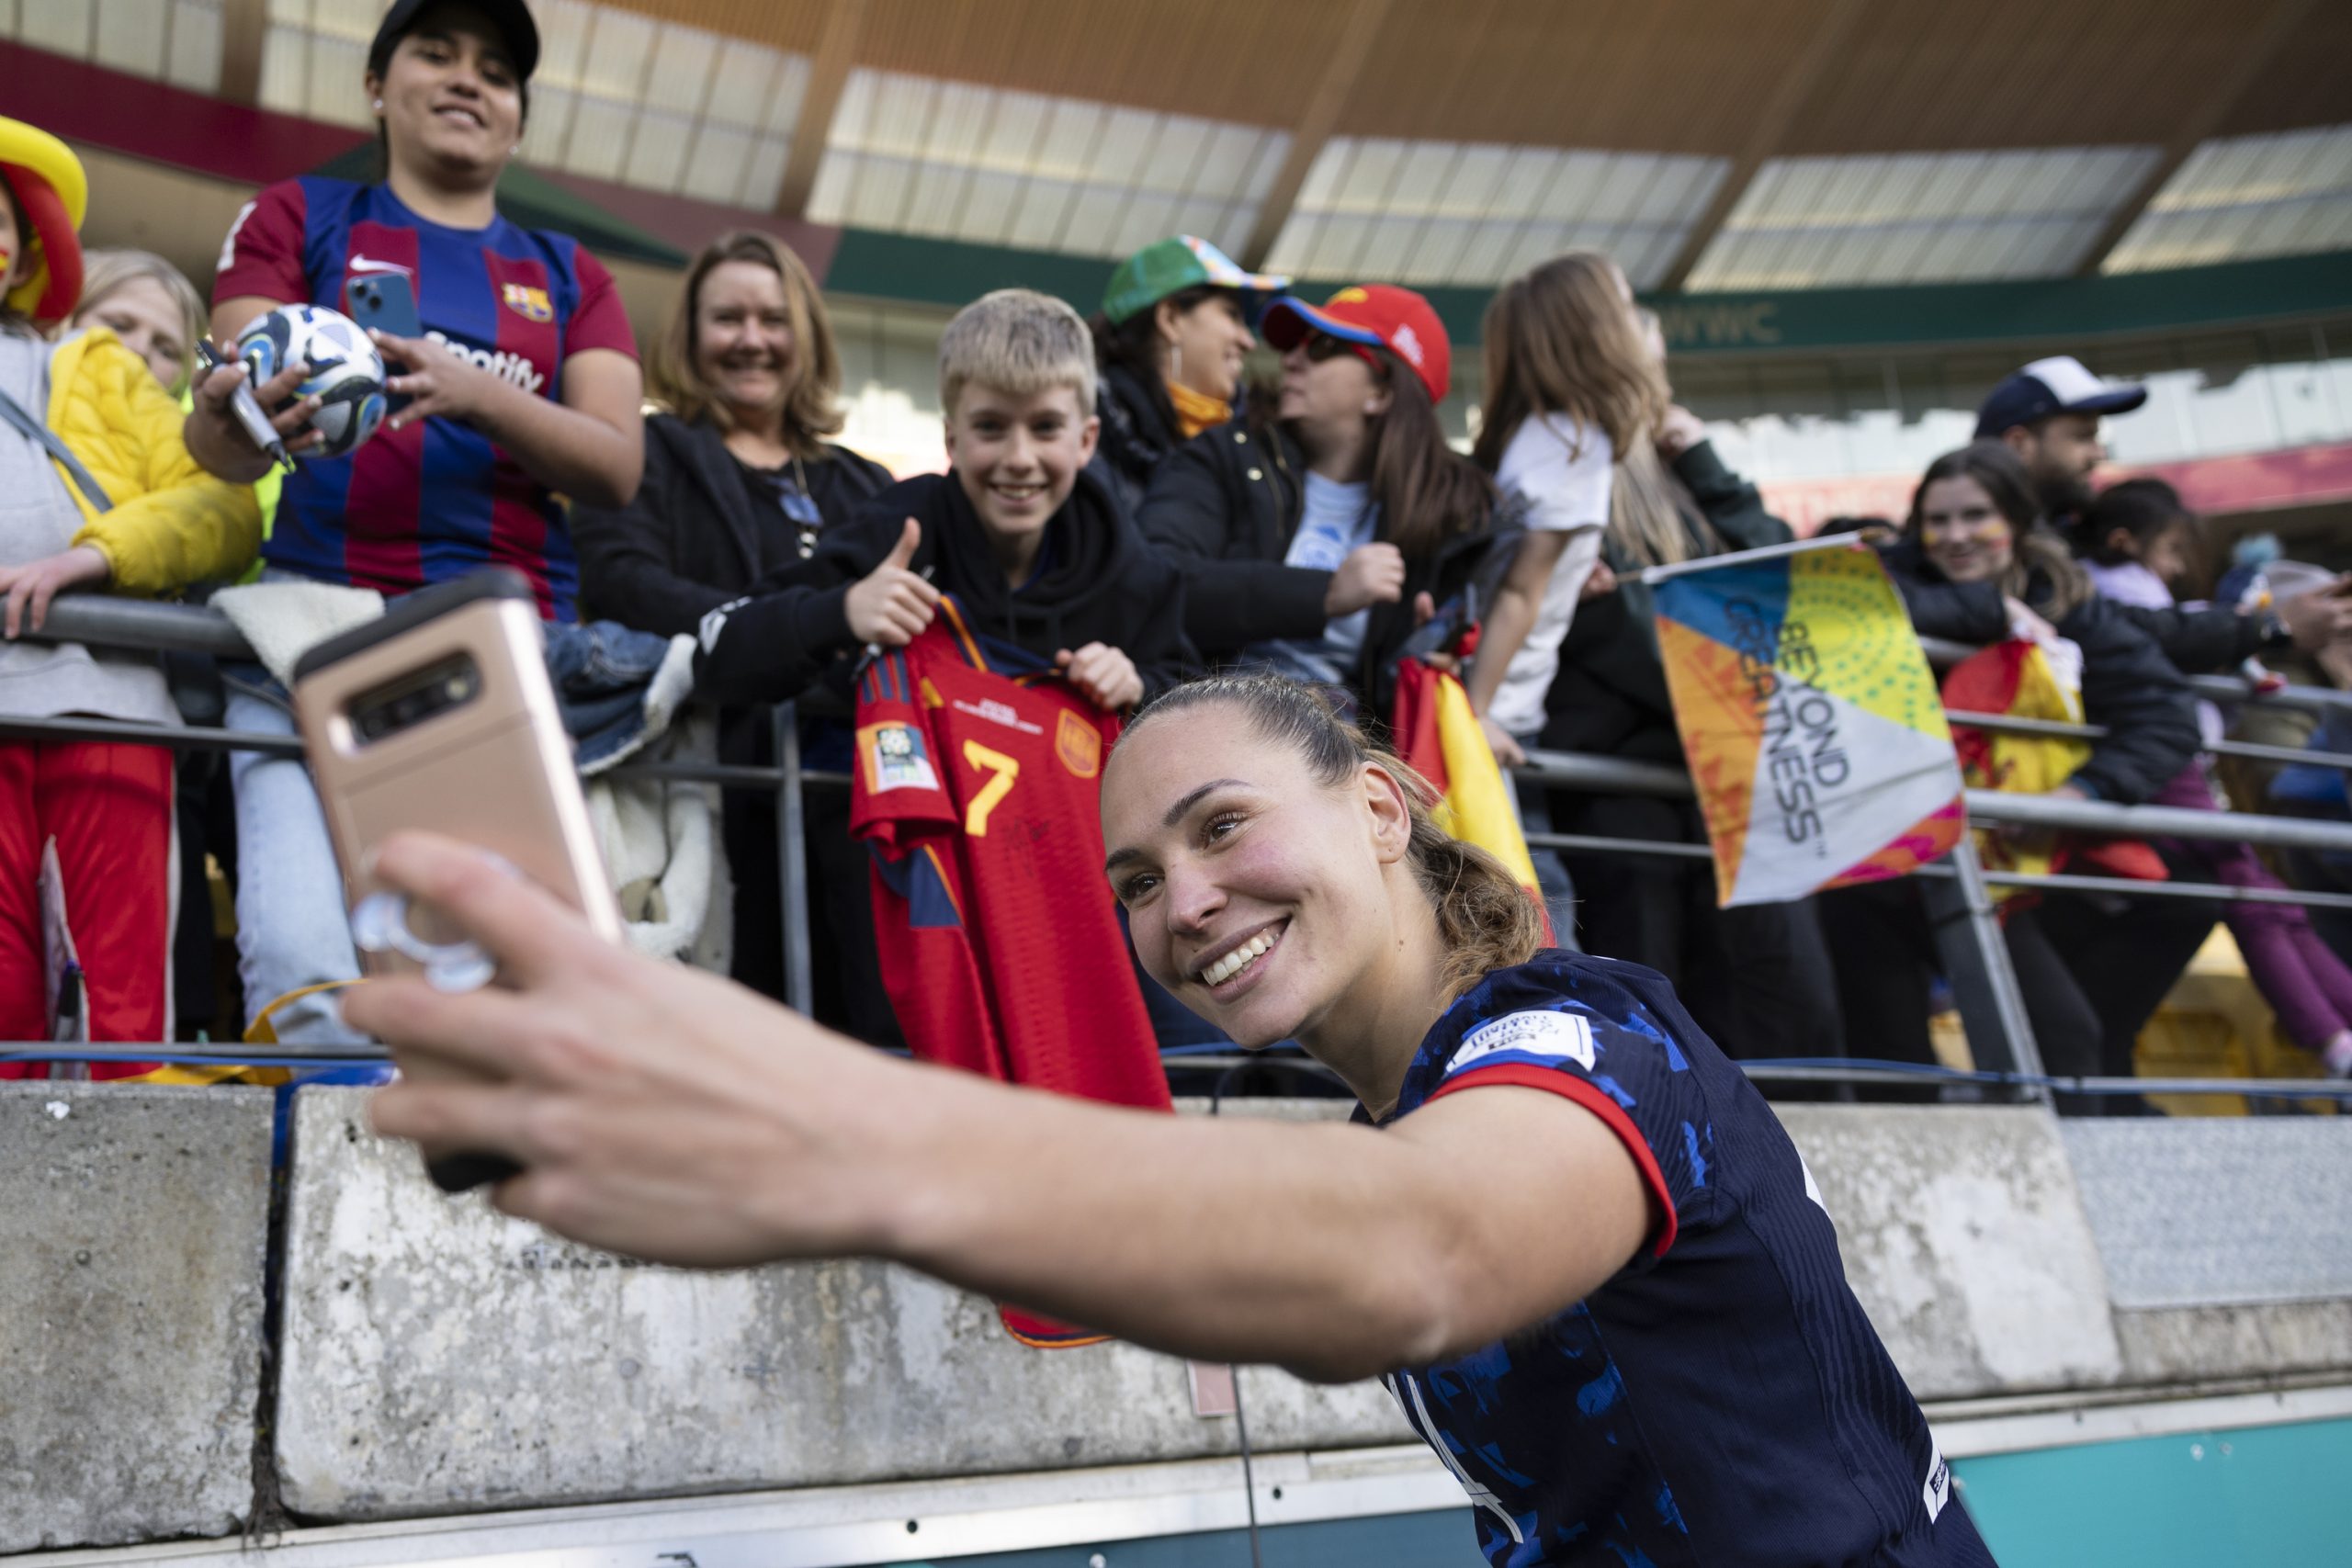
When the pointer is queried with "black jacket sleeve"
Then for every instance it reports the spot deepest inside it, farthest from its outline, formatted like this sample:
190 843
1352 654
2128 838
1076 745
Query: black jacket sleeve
2131 688
628 566
1735 506
2199 642
1162 653
1232 601
769 646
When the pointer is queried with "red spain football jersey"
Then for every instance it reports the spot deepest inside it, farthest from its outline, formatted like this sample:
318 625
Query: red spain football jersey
979 785
978 790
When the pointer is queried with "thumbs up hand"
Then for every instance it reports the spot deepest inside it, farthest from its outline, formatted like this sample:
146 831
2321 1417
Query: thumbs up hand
891 605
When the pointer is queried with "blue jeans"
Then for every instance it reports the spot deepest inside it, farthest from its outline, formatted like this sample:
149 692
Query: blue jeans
292 927
1532 801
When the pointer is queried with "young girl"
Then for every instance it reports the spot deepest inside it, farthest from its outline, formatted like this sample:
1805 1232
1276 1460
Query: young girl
1570 383
1579 1250
1312 541
524 384
96 491
147 302
2136 534
1757 975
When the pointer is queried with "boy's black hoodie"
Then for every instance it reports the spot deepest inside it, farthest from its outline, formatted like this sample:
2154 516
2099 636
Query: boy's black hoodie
1096 581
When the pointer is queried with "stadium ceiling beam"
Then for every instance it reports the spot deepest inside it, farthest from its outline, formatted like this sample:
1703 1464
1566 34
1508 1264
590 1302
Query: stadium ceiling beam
829 72
2204 118
1315 126
244 24
1764 139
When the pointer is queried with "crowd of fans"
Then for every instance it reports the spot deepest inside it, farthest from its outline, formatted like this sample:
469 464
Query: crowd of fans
1117 505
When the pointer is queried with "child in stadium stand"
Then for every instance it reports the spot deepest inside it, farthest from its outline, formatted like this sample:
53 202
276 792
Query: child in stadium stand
96 491
1032 547
1578 1249
524 385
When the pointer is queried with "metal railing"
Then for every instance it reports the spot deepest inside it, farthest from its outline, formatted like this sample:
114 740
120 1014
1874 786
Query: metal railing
1962 910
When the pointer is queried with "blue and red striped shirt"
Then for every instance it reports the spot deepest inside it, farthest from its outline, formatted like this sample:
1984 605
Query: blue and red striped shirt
438 498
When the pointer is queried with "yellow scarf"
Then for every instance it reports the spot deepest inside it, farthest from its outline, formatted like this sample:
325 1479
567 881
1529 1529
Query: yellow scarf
1196 412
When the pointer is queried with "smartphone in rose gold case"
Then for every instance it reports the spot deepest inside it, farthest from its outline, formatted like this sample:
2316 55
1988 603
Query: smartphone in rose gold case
440 716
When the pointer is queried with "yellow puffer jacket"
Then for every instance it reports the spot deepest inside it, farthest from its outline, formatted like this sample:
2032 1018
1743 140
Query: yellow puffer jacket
173 524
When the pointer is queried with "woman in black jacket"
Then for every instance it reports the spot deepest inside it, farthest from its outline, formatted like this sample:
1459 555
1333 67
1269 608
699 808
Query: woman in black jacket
739 479
2091 972
1317 542
739 484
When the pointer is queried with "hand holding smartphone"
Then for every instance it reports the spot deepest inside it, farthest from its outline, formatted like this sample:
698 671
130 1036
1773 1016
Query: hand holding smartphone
441 715
384 302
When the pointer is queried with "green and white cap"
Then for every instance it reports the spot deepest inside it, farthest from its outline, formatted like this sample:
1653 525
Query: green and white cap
1154 272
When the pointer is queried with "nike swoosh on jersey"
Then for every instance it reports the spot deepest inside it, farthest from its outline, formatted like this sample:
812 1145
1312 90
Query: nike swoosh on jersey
367 263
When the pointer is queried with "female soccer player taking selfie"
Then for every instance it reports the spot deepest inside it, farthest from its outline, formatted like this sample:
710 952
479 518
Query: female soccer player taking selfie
1571 1239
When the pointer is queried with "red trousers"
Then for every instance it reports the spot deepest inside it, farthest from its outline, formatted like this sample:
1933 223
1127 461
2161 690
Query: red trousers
110 809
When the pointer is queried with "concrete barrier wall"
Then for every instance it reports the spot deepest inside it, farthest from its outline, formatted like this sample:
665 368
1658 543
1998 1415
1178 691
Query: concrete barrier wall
436 1357
1965 1242
133 1225
2227 1242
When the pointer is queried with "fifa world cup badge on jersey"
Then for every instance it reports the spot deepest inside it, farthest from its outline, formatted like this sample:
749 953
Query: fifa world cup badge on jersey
1078 744
529 303
895 758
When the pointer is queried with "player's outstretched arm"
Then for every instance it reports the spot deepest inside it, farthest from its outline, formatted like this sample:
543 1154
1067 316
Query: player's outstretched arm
666 1113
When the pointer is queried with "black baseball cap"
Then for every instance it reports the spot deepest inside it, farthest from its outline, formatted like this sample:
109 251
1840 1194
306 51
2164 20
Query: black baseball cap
511 18
2053 386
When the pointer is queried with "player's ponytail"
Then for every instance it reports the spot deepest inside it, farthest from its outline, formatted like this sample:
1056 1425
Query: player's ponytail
1486 919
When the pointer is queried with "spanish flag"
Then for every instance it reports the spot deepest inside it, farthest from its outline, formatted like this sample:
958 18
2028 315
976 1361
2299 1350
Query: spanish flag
1437 733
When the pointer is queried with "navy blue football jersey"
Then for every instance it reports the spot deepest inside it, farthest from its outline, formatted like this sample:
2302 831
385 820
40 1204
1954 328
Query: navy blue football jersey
1722 1400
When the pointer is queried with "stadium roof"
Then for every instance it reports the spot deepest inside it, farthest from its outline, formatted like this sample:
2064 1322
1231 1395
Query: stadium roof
1710 144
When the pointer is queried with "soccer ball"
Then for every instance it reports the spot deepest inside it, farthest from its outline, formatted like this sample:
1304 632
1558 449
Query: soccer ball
346 373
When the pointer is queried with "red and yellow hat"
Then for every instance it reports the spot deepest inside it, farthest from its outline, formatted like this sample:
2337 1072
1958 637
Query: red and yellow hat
1374 315
53 195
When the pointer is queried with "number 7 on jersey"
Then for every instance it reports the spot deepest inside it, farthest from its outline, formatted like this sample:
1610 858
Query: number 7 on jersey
1006 769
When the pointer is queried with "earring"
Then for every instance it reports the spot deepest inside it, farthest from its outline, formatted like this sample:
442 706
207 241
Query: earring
379 105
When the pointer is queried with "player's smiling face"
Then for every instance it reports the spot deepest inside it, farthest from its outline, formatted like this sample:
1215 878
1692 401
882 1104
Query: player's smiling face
1254 891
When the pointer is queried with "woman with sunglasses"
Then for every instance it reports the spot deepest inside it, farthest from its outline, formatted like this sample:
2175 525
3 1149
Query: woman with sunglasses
1314 542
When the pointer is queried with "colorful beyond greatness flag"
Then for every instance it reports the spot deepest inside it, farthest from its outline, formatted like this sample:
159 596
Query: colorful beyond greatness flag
1812 726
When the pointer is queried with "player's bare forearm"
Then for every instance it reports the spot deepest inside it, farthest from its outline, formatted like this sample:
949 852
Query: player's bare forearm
1334 1251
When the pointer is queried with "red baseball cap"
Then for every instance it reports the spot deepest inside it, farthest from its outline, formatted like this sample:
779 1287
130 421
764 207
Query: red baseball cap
1375 315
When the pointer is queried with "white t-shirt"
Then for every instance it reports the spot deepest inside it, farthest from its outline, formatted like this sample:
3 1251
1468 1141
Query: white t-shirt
1334 521
1561 469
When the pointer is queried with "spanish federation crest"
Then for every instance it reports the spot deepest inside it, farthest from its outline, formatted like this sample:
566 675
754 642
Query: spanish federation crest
1078 744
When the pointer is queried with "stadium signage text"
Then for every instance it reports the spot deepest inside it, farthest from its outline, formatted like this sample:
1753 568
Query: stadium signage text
1729 323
